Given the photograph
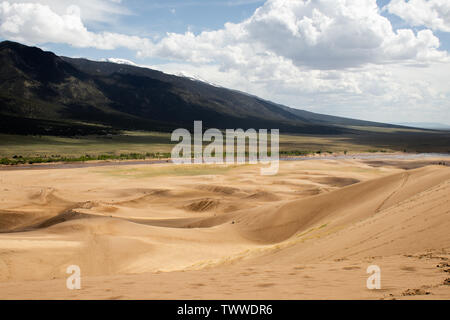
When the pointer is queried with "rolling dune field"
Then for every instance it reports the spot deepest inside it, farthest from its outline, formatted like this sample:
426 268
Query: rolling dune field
225 232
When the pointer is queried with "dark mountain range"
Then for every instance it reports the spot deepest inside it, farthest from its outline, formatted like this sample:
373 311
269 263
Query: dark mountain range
41 93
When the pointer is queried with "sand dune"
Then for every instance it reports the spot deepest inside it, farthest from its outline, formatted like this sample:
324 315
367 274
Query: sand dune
341 207
309 232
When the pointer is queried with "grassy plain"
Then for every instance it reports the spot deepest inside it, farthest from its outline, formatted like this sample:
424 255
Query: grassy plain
15 149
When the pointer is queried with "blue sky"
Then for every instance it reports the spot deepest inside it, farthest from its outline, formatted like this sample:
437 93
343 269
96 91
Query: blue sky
156 18
340 57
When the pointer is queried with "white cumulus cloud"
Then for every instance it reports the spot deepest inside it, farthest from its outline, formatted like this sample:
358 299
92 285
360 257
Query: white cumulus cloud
321 34
35 23
434 14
